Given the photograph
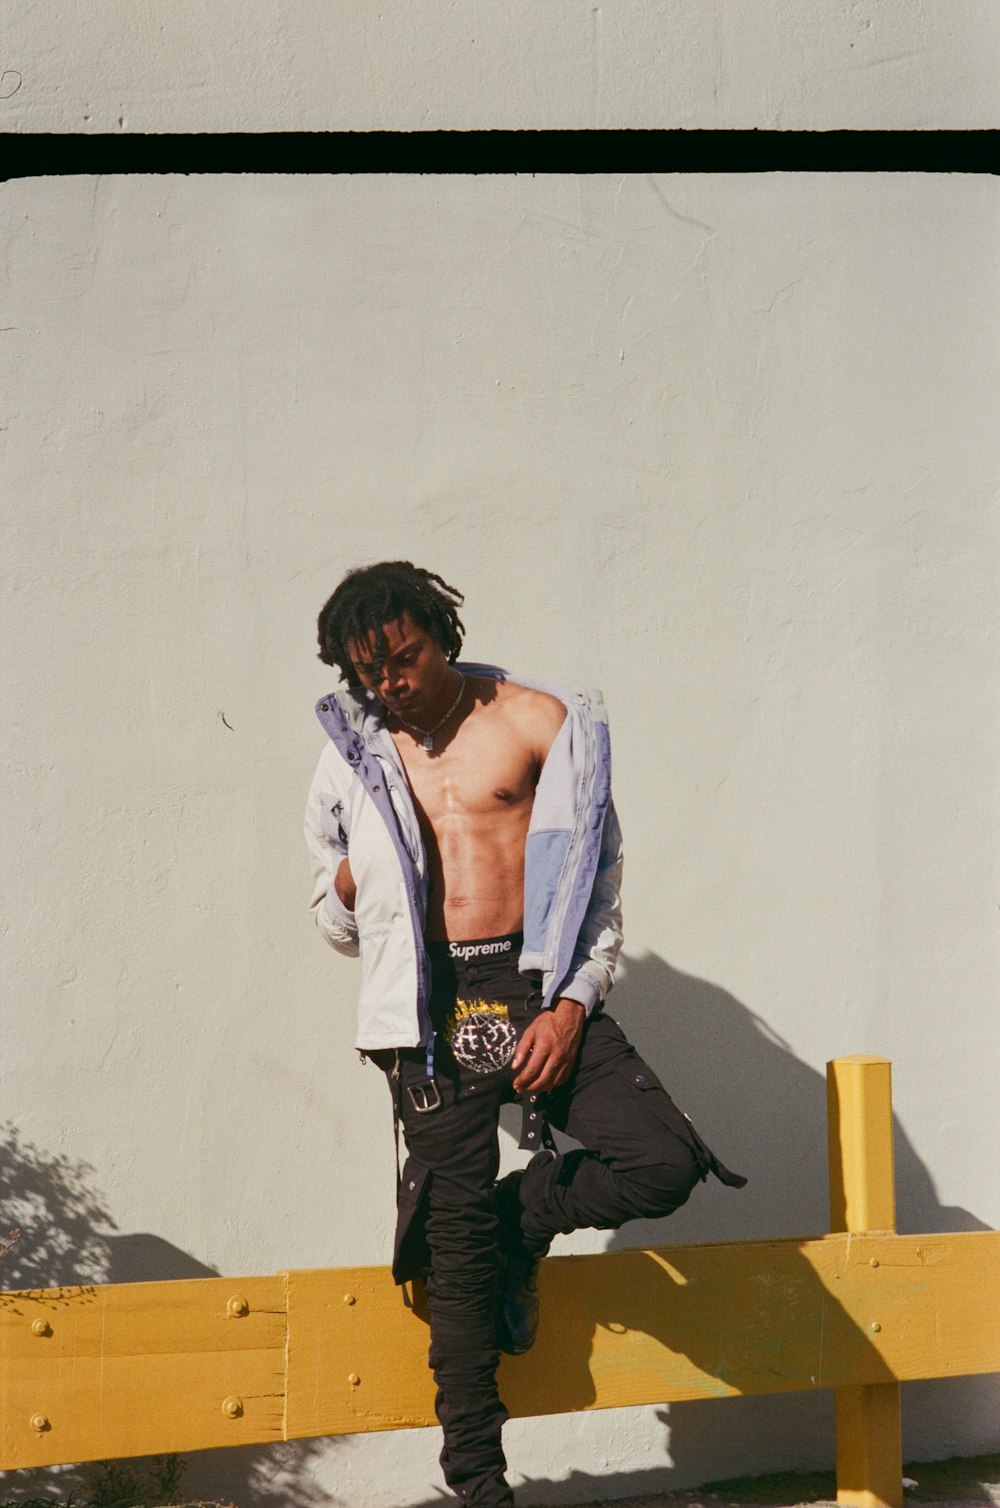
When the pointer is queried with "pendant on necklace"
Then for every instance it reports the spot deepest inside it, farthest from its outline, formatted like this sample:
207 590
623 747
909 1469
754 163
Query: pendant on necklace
429 742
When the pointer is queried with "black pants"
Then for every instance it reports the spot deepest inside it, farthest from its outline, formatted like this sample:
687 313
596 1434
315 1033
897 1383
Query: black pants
642 1158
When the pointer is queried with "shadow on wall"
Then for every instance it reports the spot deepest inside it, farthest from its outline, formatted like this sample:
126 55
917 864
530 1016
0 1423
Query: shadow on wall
67 1238
760 1108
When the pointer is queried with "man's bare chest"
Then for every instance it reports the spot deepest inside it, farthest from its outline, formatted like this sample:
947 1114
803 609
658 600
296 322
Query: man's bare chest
474 776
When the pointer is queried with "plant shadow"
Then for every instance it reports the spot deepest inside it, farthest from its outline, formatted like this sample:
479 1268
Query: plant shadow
56 1232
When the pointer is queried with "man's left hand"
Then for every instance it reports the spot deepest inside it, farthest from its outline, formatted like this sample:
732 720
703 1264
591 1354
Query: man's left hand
547 1051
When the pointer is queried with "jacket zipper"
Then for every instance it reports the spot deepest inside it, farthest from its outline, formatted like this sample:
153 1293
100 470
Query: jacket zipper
372 789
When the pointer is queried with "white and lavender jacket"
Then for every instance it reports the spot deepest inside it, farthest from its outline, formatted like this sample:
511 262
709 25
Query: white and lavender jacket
360 801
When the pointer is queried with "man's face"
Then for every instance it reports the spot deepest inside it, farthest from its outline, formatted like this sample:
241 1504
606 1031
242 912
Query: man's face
410 674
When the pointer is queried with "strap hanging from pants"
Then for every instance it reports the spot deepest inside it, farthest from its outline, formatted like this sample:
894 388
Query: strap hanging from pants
535 1133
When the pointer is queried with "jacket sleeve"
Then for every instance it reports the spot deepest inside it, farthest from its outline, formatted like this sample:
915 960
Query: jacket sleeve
600 936
327 843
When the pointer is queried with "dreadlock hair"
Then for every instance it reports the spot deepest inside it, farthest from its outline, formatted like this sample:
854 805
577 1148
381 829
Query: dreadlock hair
370 596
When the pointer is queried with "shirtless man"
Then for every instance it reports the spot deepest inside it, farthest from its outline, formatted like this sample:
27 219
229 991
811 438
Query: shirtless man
464 842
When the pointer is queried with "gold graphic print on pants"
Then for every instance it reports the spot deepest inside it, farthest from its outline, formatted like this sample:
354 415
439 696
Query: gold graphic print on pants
481 1035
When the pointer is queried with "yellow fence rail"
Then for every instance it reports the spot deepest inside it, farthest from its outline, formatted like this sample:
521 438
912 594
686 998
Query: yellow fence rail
132 1369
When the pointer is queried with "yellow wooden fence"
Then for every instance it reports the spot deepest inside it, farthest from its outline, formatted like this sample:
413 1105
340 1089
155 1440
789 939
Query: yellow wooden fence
90 1373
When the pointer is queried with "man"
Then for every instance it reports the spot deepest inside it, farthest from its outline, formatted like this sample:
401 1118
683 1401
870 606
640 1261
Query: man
464 841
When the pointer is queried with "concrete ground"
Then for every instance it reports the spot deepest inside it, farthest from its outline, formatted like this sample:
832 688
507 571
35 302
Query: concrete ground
961 1482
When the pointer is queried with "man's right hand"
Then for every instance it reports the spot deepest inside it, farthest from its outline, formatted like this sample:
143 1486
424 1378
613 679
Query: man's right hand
343 884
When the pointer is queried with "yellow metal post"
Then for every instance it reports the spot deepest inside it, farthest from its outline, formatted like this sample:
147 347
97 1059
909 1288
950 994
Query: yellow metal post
862 1198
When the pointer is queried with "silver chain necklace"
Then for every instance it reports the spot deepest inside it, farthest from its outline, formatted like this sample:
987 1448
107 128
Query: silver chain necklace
427 734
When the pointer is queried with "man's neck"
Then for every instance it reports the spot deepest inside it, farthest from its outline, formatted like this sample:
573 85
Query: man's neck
446 710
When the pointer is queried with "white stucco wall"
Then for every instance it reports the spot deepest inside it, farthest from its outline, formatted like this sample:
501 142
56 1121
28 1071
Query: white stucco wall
130 65
725 446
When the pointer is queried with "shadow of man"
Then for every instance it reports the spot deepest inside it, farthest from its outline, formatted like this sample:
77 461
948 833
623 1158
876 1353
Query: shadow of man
763 1111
